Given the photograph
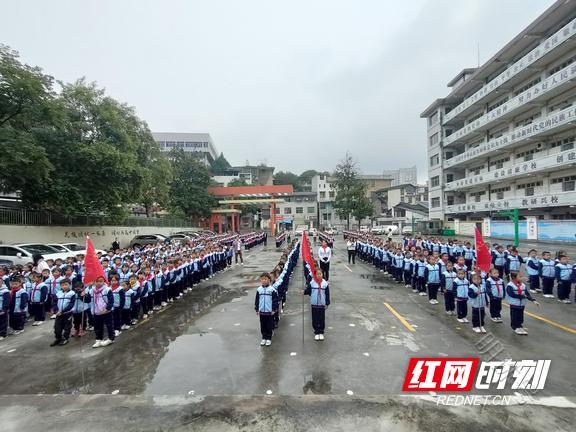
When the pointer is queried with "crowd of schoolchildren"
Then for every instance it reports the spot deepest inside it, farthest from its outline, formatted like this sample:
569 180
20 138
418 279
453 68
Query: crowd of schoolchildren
272 293
137 283
431 265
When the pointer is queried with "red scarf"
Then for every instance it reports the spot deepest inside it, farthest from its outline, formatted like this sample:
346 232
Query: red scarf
13 292
497 287
518 287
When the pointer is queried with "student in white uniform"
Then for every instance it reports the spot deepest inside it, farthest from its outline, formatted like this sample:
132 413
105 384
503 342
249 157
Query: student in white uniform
324 255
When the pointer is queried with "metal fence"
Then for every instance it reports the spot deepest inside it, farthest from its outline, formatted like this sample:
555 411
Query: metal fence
9 216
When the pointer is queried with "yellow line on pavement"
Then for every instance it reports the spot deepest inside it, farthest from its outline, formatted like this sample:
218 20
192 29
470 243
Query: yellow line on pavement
400 317
349 269
546 320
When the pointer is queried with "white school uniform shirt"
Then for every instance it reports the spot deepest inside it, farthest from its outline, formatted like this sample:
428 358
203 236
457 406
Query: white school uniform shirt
324 254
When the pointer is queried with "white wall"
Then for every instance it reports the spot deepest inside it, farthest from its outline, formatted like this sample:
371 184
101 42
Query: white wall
102 237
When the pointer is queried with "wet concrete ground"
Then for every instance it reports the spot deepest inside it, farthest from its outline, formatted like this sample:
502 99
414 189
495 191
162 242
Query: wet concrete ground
208 345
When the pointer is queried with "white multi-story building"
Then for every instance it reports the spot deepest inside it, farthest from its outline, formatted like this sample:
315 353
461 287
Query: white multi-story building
200 143
504 137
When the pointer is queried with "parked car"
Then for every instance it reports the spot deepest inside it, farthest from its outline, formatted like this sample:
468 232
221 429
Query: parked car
300 229
5 262
393 228
180 238
147 239
23 253
72 248
377 230
407 230
364 229
331 231
312 231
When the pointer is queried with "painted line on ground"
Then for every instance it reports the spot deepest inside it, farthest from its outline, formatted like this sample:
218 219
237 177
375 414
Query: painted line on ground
348 268
400 317
546 320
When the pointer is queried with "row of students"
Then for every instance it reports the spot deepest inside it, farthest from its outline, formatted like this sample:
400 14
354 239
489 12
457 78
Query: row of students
140 283
428 274
318 289
271 295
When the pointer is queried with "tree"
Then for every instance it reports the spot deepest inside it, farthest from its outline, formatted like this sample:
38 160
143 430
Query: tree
220 165
351 199
238 182
287 178
189 188
156 184
306 176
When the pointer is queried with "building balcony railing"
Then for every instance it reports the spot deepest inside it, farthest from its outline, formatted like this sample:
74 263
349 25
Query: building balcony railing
550 199
557 160
530 58
542 90
547 124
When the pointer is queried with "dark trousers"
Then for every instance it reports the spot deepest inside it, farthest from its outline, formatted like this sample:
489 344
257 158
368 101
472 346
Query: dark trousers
449 300
468 264
500 271
266 326
239 254
90 318
516 316
420 284
495 307
117 317
135 311
318 320
151 300
534 282
3 324
407 277
478 315
37 311
547 285
79 321
564 288
17 320
325 267
462 308
62 326
48 302
126 316
101 321
144 302
352 256
432 291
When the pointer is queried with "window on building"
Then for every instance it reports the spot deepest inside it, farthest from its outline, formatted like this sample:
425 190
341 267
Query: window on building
562 65
477 196
567 182
311 209
277 210
499 163
287 210
434 139
322 194
433 119
434 160
450 200
449 178
435 181
435 202
331 194
299 210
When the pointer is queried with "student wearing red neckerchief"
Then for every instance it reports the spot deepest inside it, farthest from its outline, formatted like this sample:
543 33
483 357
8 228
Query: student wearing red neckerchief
517 295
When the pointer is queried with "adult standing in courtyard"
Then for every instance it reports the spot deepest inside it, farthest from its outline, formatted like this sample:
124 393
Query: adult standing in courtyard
351 247
325 255
237 244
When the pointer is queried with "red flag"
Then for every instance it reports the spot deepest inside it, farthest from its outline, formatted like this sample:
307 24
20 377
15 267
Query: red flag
483 257
307 254
92 266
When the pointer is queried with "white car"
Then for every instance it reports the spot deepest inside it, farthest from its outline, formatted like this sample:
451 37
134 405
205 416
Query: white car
300 229
407 230
23 253
364 229
331 231
393 228
377 230
72 248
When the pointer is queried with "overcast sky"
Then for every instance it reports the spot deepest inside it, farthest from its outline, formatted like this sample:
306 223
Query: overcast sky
294 84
